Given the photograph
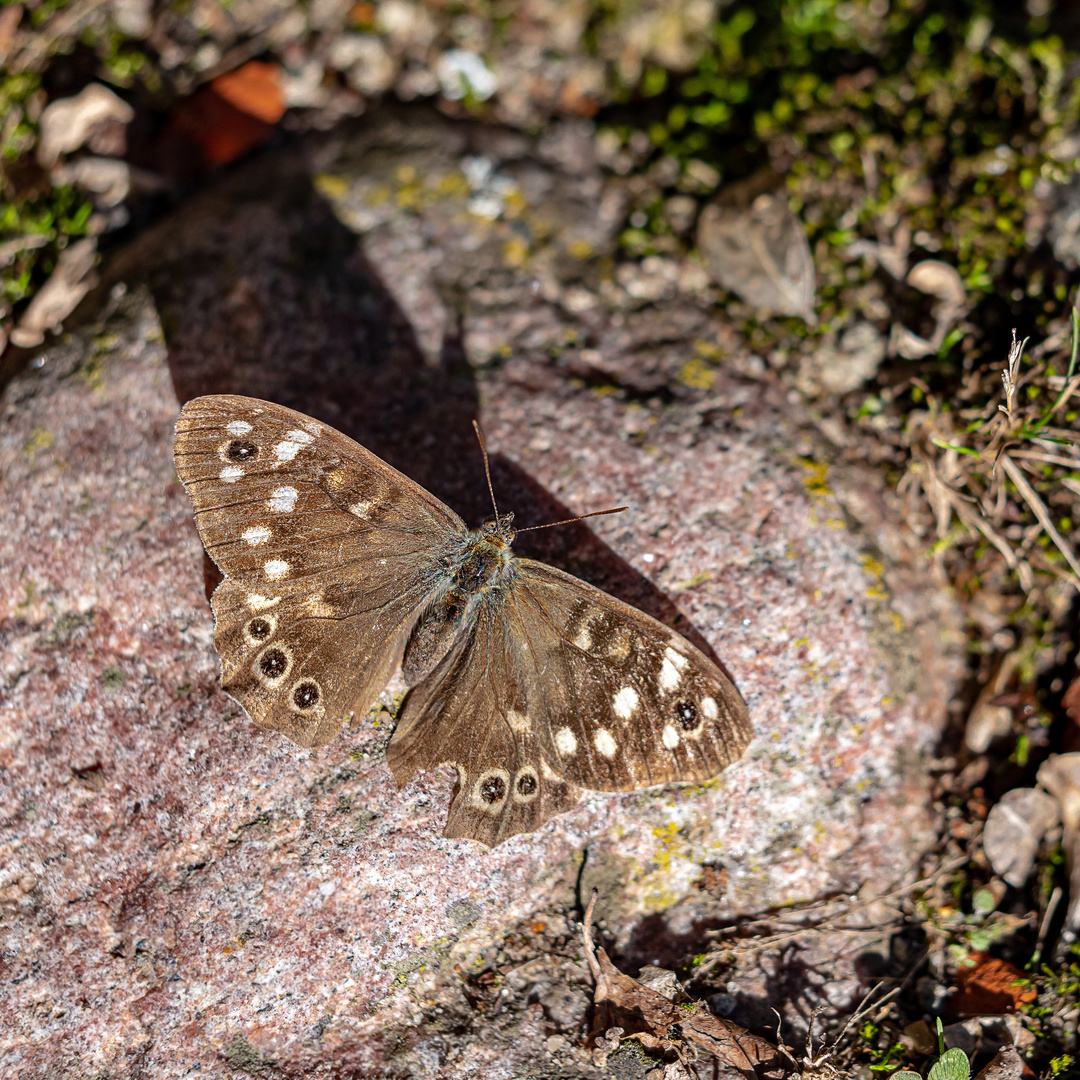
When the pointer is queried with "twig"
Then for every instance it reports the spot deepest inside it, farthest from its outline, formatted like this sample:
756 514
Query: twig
586 933
1044 925
828 927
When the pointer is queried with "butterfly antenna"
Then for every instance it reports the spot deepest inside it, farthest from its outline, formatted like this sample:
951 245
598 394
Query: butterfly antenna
582 517
531 528
487 467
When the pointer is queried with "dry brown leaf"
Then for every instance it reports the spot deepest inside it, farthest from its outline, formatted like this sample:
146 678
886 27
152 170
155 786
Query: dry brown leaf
59 296
67 123
657 1023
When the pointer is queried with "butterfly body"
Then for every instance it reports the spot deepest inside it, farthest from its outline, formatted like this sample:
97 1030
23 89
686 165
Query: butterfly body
476 568
532 684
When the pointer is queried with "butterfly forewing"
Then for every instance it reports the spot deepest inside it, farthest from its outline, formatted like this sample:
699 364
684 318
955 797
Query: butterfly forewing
326 552
619 701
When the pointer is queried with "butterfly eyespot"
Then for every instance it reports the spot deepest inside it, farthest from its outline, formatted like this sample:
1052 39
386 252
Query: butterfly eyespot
260 629
686 714
306 695
490 790
274 664
525 785
241 450
493 790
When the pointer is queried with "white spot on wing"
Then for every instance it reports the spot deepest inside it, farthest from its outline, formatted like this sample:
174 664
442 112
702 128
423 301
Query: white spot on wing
302 437
625 702
238 427
283 499
317 605
276 569
605 742
565 742
584 639
361 509
669 675
675 658
286 450
708 707
256 535
671 737
258 602
231 473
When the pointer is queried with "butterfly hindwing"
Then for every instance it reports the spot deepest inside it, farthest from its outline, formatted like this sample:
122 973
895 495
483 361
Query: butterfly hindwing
324 548
471 713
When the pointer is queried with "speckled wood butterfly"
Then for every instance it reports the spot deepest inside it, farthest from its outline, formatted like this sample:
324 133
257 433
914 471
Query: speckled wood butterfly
532 684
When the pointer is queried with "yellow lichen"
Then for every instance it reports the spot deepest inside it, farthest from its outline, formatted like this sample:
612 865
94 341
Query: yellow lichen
330 186
40 439
697 374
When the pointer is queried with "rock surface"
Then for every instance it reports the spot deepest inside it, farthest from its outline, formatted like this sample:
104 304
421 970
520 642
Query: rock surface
183 892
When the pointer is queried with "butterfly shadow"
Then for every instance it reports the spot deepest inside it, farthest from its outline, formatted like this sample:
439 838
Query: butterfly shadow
262 291
576 549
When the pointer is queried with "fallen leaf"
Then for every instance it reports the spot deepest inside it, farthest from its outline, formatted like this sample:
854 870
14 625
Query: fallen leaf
657 1023
1014 830
254 89
107 178
937 278
760 253
68 122
224 120
59 296
942 281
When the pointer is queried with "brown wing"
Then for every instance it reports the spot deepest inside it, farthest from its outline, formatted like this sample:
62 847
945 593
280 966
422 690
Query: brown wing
470 712
618 700
326 552
560 684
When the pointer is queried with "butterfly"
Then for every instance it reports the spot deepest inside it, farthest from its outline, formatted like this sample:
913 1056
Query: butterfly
338 569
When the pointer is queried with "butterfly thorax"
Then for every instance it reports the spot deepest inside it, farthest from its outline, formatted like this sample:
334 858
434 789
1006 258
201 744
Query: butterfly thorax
472 570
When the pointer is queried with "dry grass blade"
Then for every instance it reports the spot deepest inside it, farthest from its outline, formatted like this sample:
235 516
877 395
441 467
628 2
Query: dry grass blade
943 494
1038 508
1047 459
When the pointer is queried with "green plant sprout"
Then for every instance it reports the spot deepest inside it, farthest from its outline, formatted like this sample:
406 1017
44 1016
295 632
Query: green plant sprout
951 1064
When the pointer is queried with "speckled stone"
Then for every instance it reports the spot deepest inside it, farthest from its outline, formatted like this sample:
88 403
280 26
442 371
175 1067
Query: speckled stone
183 894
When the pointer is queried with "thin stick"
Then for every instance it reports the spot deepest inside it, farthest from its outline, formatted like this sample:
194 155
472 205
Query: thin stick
586 934
1038 508
567 521
1044 925
487 467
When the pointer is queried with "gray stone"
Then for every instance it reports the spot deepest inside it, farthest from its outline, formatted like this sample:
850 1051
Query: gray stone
181 890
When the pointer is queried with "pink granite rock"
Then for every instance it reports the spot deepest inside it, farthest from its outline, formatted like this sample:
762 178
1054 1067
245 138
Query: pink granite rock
184 894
